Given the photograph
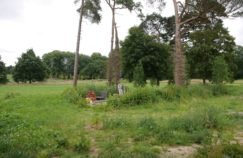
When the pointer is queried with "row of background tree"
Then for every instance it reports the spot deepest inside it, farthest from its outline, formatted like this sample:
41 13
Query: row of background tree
56 64
148 59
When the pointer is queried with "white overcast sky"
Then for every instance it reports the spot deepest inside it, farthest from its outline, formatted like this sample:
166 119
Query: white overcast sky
47 25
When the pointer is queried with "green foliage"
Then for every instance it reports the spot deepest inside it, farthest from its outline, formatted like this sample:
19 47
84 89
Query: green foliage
224 150
29 68
15 133
61 141
146 95
61 65
3 72
115 153
138 96
114 123
40 123
11 95
171 93
92 10
96 68
205 118
140 47
239 62
191 127
146 128
83 146
206 45
138 75
144 151
148 124
78 95
161 27
75 96
219 89
220 72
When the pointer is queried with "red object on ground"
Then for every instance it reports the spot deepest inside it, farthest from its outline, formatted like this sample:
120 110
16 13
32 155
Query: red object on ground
91 95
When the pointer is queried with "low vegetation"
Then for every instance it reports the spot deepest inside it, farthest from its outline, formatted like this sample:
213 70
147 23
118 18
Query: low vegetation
48 121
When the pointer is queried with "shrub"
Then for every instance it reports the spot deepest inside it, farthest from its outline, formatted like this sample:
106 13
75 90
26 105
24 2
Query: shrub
77 96
219 89
172 92
199 90
138 96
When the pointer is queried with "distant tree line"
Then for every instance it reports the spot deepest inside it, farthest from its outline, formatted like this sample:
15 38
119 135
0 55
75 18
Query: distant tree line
3 72
60 65
56 64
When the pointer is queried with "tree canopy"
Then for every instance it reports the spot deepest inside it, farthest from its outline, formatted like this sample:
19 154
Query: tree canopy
207 44
3 72
89 9
29 68
239 62
193 13
138 47
61 63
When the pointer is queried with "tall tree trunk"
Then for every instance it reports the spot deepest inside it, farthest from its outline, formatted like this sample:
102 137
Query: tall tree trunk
76 65
117 58
179 59
110 62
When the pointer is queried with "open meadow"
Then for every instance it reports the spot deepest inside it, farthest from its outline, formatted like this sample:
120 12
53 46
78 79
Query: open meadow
39 121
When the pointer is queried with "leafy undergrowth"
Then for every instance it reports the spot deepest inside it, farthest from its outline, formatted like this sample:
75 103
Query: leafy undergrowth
37 121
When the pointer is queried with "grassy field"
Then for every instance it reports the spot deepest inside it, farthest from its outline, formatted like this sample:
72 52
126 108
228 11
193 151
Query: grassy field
37 121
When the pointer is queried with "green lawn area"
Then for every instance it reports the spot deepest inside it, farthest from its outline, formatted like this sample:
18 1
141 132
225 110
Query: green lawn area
37 121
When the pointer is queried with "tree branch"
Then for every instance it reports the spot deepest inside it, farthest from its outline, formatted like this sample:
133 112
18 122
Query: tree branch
109 3
189 20
120 7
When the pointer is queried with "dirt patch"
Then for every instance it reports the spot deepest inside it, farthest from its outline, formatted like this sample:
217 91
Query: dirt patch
94 151
239 138
179 152
93 127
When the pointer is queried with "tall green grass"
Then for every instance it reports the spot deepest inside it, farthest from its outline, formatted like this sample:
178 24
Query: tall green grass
150 95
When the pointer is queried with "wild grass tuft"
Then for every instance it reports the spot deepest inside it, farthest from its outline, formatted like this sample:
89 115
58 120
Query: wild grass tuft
114 123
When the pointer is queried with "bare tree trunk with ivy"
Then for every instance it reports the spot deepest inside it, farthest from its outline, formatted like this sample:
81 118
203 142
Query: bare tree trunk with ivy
110 60
179 58
117 58
75 73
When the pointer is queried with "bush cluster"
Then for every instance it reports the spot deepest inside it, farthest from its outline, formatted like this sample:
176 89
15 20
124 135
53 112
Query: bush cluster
77 96
147 95
138 96
192 127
